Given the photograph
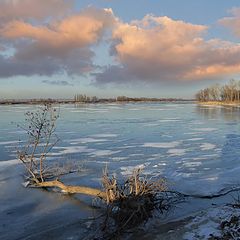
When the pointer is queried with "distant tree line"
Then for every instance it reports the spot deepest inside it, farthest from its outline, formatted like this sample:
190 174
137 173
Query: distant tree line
85 99
145 99
229 92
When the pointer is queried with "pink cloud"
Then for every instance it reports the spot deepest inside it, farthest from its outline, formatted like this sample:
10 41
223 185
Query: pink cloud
66 43
233 22
75 31
153 49
163 49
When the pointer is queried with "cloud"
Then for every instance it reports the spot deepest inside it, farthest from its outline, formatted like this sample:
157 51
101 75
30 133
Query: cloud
33 9
43 38
57 38
78 62
233 22
10 67
160 49
59 83
64 44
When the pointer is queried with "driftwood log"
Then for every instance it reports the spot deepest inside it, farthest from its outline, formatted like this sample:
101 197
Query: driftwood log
73 189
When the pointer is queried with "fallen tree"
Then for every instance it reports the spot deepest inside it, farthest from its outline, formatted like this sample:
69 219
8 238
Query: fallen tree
73 189
40 128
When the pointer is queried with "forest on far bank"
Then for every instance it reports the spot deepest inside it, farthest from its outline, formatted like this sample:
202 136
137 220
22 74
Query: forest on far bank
229 92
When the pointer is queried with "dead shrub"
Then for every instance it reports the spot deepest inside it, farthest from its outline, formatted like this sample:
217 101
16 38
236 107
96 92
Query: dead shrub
40 128
134 201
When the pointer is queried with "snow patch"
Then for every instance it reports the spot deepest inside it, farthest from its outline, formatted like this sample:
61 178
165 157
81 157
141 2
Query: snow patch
195 139
162 144
192 164
207 222
4 164
176 152
205 129
9 142
207 146
116 159
87 140
129 169
100 153
169 120
104 135
71 150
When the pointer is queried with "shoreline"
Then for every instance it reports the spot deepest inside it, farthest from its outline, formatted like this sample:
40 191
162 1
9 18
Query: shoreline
219 103
105 101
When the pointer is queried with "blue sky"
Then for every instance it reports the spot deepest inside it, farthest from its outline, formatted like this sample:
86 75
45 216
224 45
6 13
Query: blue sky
154 48
198 12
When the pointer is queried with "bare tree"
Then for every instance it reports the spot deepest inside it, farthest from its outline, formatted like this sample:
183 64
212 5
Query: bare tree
214 92
228 93
41 138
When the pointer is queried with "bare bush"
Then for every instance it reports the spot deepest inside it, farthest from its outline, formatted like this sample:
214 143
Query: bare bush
41 138
134 201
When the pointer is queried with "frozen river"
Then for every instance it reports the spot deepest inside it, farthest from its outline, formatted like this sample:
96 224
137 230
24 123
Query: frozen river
196 148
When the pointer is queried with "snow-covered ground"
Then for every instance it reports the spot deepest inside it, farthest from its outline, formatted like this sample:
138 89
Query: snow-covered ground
211 223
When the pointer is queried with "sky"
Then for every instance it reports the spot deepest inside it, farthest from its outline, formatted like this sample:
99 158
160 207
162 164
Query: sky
107 48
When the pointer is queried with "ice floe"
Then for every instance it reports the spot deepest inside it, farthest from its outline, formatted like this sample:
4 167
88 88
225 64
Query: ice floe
86 140
128 170
71 150
194 139
169 120
176 152
101 153
205 129
207 146
9 142
4 164
192 164
116 159
162 144
104 135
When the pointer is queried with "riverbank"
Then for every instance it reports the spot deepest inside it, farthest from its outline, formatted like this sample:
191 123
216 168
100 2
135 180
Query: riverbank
103 100
220 103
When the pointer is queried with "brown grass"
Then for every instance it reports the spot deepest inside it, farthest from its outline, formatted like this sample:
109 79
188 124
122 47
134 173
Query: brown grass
220 103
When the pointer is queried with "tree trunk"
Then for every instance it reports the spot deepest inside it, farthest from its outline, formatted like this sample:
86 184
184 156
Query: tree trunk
74 189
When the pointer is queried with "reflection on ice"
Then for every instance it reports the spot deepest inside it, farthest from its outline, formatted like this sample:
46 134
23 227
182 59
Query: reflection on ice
228 113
